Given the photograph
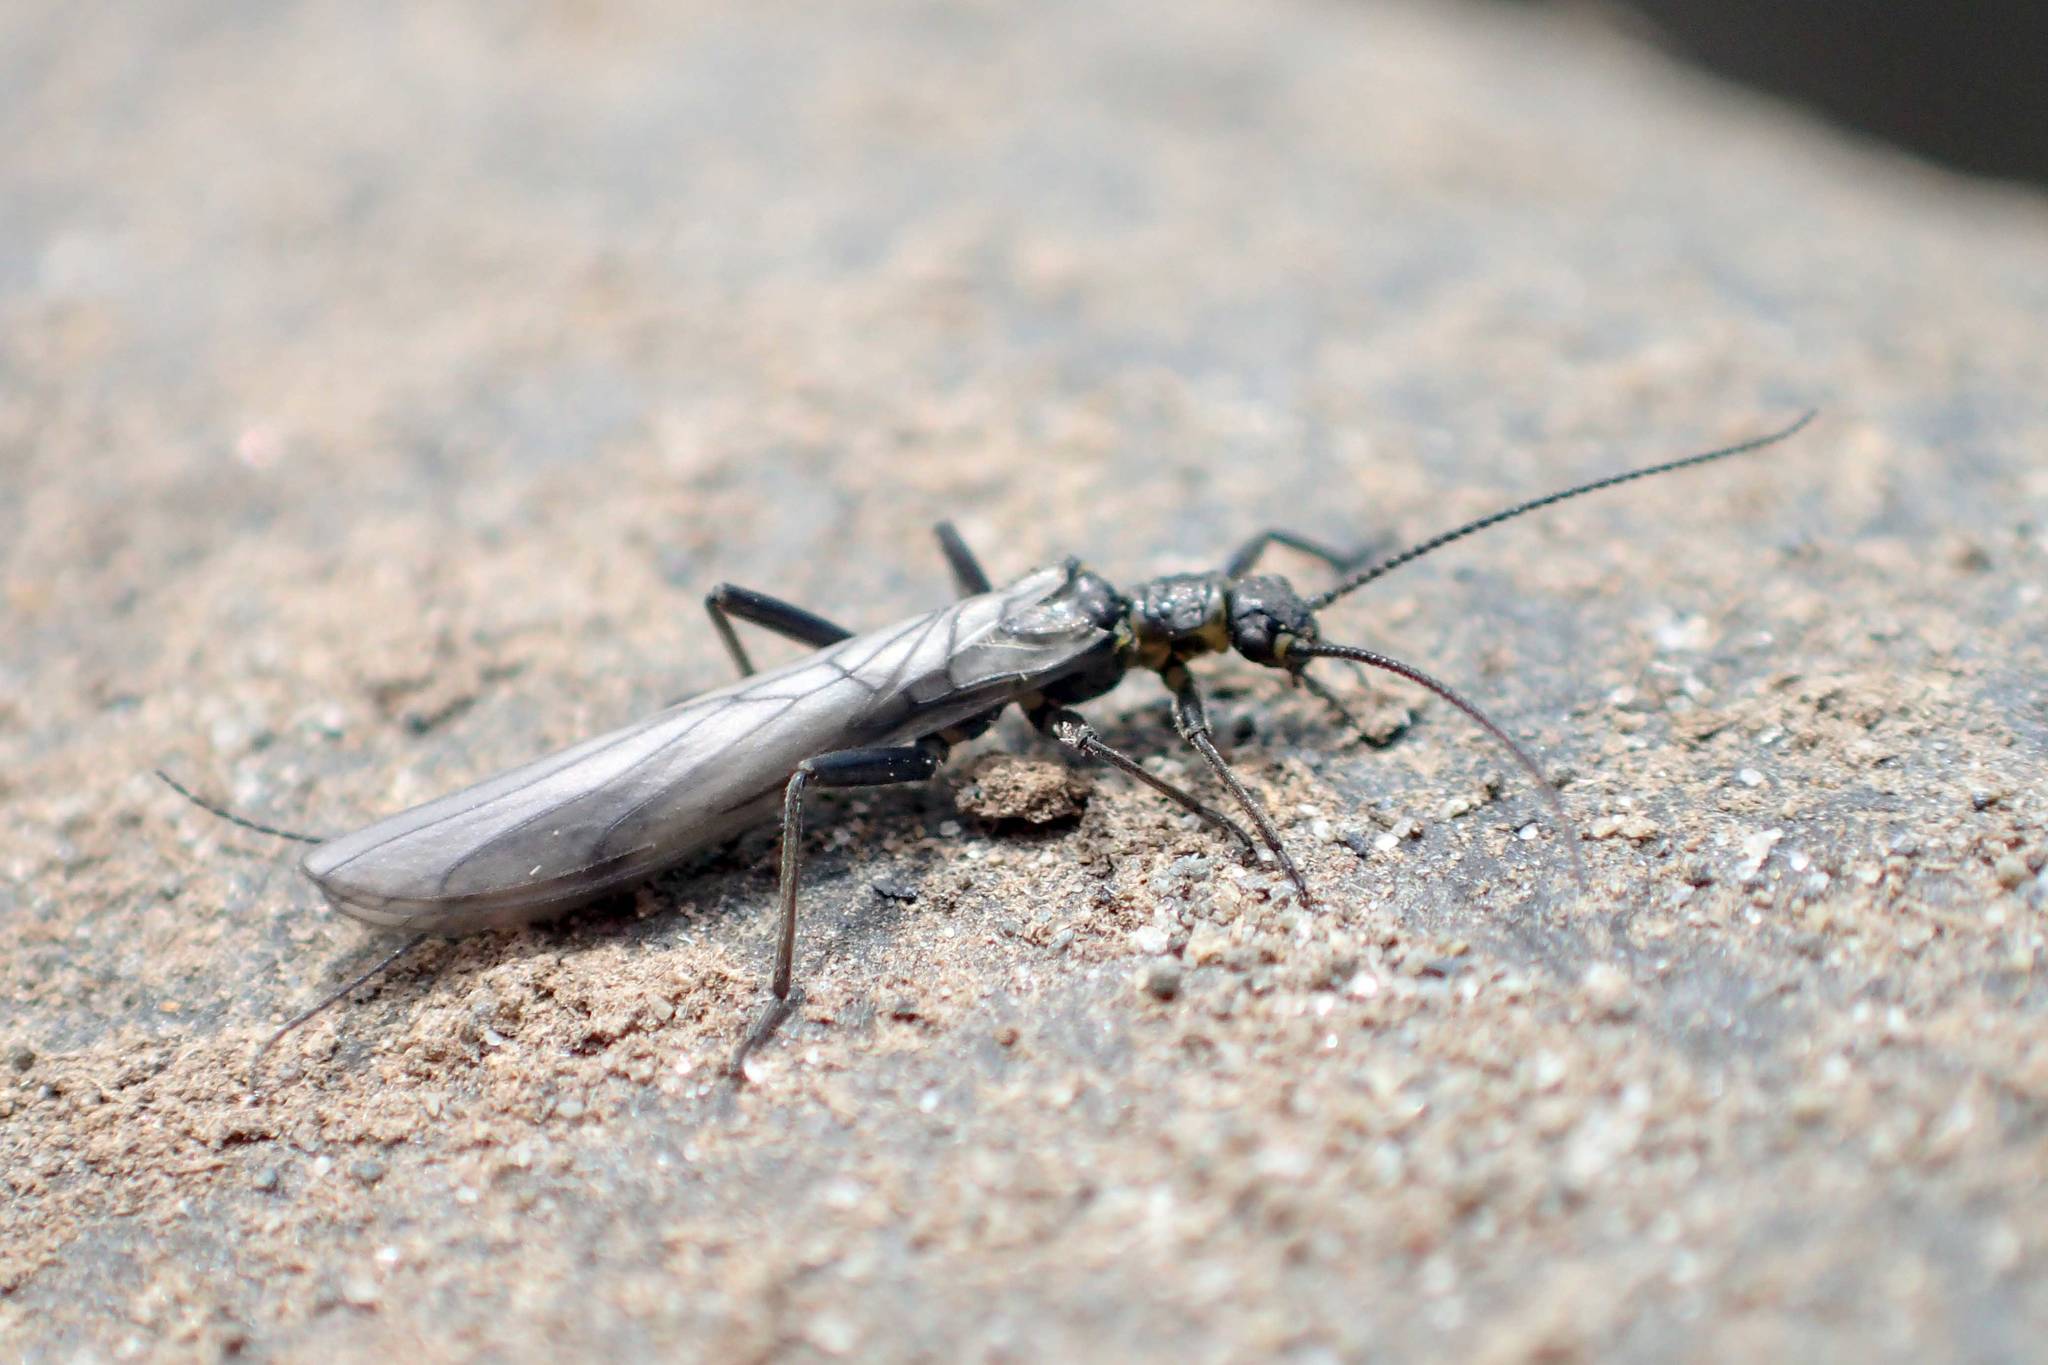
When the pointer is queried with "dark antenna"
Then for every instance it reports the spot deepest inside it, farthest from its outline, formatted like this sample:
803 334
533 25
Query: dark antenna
224 813
1319 650
256 1062
1354 581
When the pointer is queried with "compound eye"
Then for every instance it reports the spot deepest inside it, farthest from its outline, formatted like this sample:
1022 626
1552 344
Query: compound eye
1257 637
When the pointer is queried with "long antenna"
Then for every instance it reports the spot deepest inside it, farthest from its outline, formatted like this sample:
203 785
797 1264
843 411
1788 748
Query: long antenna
224 813
256 1062
1319 650
1353 582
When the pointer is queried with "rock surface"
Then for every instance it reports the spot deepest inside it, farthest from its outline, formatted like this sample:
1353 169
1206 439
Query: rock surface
381 388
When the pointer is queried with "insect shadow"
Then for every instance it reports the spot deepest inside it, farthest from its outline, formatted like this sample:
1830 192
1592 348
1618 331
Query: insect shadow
872 710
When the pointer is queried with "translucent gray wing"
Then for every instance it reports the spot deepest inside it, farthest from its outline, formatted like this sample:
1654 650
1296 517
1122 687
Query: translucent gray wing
564 829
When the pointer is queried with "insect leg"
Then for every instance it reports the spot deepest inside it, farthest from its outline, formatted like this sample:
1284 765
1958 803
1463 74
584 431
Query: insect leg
1077 734
968 574
847 768
770 613
1248 554
1192 721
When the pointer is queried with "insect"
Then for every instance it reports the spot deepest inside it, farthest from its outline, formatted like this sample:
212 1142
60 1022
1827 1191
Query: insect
865 710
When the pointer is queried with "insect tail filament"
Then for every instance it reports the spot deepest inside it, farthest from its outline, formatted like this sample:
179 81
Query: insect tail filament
224 813
256 1062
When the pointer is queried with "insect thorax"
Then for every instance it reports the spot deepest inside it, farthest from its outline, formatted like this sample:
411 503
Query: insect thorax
1178 617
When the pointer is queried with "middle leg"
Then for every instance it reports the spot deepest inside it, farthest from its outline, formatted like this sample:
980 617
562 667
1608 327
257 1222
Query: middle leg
792 622
968 575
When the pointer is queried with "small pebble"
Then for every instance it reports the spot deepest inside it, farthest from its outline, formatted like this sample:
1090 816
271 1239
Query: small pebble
894 889
21 1057
1160 980
1634 826
1809 1104
369 1170
1756 850
1609 990
1008 787
831 1334
266 1181
1207 944
2010 870
2004 1248
1149 941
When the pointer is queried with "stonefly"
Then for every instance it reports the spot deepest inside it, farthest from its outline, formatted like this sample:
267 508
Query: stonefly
860 711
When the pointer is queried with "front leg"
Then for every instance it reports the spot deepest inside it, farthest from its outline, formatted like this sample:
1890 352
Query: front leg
846 768
1193 723
1249 553
1077 734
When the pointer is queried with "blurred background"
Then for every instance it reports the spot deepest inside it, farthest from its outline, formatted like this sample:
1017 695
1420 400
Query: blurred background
382 385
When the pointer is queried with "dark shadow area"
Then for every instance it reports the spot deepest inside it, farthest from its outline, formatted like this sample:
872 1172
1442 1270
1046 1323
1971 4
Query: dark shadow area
1960 84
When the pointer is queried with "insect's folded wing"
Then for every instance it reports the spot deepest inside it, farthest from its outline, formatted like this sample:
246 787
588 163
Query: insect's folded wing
559 831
